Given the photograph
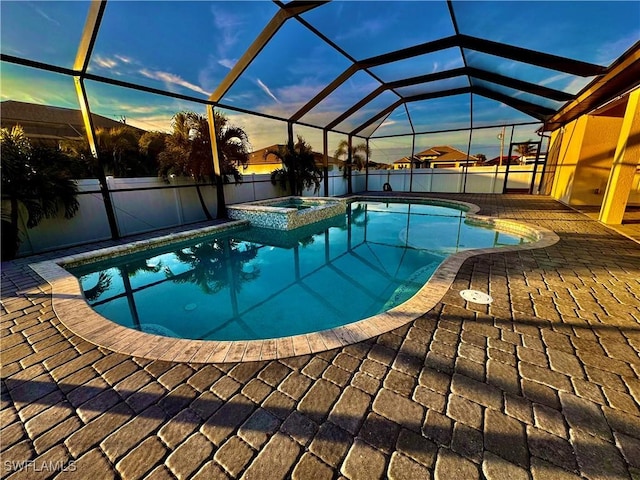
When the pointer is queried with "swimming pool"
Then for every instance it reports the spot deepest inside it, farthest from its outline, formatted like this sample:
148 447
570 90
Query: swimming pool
248 284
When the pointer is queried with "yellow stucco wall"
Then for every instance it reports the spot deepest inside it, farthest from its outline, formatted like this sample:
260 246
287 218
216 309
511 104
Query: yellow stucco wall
596 157
569 153
585 159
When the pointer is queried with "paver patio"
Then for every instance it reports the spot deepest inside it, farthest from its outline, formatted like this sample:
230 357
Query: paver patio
542 384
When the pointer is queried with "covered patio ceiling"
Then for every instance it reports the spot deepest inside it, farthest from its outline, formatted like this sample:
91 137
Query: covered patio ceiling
364 68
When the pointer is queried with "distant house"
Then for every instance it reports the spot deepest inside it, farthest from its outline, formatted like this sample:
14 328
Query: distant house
442 156
404 162
50 124
259 163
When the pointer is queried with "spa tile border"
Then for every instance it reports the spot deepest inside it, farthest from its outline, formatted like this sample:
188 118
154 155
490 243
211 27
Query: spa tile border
76 314
267 213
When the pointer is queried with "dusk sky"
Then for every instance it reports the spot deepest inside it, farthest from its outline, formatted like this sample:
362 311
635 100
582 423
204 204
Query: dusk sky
189 47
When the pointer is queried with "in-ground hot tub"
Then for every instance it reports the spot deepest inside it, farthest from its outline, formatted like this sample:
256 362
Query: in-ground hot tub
287 213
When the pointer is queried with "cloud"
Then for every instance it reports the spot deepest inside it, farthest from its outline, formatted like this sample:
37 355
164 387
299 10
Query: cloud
366 29
131 66
266 90
228 32
387 124
124 59
299 94
228 62
608 52
159 123
44 15
172 79
552 79
105 62
228 26
577 84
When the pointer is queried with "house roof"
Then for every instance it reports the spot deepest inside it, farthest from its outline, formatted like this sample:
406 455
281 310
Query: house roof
257 157
44 121
402 160
446 153
442 153
429 152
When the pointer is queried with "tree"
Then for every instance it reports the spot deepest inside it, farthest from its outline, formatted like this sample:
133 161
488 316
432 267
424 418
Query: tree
481 157
357 158
34 179
526 149
188 150
151 145
121 153
299 170
122 150
233 147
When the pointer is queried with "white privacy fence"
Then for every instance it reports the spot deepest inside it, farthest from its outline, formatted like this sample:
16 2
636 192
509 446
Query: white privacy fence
455 180
147 204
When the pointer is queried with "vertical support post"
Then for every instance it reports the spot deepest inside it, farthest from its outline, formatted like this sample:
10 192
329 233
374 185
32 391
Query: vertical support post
81 63
542 187
506 173
325 160
366 168
466 165
349 227
535 167
290 133
91 138
413 148
217 170
625 163
349 164
291 168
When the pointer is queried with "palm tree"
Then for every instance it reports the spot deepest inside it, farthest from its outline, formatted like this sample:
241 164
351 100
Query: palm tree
299 170
150 145
526 149
357 158
34 178
118 147
233 147
188 151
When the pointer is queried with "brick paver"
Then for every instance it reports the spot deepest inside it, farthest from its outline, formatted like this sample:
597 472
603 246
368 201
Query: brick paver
543 383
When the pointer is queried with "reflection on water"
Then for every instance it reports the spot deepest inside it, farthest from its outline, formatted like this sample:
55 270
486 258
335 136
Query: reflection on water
215 265
259 283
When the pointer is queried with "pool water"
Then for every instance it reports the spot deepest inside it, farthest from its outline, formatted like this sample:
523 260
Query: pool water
243 285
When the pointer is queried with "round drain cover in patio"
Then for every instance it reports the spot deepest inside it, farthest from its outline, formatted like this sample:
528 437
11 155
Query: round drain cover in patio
476 297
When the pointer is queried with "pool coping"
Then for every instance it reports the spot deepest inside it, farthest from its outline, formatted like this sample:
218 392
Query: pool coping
76 314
